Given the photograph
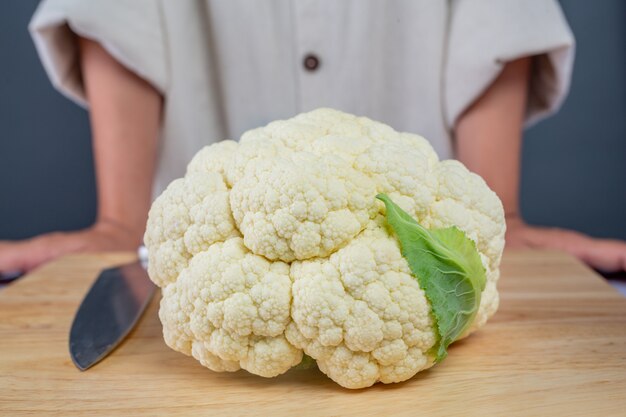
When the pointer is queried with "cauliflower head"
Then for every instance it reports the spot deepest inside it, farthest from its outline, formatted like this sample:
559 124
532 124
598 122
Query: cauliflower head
276 246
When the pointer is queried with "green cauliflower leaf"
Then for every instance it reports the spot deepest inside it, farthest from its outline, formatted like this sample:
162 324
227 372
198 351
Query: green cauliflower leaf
447 267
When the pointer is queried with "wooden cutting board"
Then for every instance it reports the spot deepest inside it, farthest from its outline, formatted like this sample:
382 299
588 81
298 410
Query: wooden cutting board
557 346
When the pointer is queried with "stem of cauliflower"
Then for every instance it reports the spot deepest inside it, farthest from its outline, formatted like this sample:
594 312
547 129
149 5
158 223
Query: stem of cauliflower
447 267
307 362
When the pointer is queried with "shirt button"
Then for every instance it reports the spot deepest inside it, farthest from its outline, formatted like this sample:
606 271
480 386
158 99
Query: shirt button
311 62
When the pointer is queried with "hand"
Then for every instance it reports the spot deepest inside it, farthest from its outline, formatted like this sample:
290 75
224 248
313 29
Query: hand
606 255
28 254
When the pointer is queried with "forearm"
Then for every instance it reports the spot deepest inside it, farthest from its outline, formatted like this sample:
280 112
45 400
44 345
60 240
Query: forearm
488 142
125 116
488 135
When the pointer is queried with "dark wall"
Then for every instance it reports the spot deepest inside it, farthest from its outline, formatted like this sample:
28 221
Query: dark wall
574 164
46 171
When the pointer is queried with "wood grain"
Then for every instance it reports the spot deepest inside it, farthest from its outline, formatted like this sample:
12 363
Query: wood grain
556 347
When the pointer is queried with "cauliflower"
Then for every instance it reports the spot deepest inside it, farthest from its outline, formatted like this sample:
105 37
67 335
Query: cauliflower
277 246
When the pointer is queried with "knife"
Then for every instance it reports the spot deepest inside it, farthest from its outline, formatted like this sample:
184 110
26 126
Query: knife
109 311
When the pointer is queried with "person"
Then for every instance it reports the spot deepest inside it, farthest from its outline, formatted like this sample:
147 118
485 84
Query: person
162 79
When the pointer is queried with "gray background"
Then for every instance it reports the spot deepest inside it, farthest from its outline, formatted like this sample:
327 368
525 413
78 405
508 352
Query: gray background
574 164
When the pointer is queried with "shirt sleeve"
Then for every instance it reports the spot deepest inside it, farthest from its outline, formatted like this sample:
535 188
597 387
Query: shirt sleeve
485 34
131 31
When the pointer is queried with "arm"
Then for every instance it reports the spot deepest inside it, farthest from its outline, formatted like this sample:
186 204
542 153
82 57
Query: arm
125 118
488 142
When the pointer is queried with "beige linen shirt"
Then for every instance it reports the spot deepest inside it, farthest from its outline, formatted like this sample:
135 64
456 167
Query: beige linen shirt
225 66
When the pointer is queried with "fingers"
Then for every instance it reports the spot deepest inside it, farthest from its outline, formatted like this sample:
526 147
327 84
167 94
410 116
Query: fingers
13 257
603 254
26 255
607 255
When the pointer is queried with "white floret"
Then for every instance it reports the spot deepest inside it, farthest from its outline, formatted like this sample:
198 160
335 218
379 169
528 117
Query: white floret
360 313
191 214
302 206
229 309
216 158
404 173
464 199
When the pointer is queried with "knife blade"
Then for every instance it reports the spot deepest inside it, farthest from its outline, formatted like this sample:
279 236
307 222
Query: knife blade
110 310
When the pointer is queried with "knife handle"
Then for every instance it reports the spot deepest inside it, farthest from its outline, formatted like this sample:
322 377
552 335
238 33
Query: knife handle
6 277
142 254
